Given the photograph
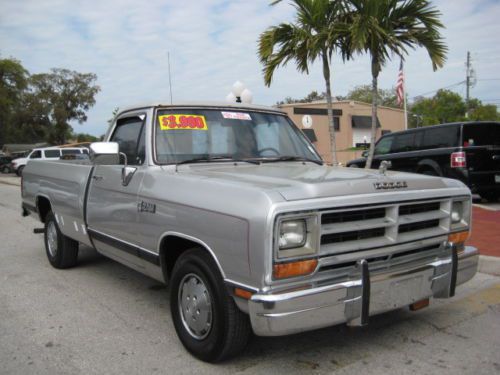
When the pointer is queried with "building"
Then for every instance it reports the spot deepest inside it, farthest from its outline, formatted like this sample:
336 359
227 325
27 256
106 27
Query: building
352 125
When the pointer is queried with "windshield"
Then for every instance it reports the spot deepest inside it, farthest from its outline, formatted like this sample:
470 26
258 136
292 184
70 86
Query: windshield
186 134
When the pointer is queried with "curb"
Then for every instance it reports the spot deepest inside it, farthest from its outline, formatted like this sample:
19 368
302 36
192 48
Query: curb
489 265
9 183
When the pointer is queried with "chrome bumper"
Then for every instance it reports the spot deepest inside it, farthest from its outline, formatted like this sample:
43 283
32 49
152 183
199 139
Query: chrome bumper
316 306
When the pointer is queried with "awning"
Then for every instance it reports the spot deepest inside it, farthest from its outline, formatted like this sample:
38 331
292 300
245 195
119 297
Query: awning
363 122
310 134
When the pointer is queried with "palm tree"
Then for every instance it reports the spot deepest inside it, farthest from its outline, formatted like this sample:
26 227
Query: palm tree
384 28
315 35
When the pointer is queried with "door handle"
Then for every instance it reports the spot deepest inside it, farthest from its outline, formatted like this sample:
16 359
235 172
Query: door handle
97 178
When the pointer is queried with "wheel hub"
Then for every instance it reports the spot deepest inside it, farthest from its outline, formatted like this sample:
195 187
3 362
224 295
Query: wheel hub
52 238
195 306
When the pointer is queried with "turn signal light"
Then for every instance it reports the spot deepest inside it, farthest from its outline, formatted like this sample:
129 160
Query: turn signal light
303 267
419 304
458 237
245 294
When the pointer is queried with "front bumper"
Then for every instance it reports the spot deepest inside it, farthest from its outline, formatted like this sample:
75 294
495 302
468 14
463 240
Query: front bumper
352 301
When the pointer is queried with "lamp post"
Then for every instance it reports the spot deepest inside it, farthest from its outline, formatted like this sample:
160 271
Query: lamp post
239 94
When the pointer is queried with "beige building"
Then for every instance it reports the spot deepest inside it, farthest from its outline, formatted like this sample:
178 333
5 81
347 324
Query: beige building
352 125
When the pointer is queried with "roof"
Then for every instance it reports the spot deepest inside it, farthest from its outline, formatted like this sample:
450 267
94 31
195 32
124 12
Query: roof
446 125
338 102
213 104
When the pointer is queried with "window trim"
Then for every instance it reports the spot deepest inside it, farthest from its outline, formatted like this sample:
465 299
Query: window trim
218 108
130 114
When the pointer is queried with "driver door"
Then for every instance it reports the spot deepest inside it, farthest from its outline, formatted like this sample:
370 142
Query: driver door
112 205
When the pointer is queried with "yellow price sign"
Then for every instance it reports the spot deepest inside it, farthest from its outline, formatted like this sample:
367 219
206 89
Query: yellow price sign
187 122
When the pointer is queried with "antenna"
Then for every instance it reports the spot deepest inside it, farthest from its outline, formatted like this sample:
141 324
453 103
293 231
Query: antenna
169 76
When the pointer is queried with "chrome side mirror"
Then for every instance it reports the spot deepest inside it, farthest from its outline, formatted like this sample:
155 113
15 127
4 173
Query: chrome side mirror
104 153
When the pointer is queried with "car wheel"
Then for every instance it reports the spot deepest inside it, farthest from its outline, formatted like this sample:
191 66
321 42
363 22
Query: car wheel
430 172
62 251
20 171
490 196
205 316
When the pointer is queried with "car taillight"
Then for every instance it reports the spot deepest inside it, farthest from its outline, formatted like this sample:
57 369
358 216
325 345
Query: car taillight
458 159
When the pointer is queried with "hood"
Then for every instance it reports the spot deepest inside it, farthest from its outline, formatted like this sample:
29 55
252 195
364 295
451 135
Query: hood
297 181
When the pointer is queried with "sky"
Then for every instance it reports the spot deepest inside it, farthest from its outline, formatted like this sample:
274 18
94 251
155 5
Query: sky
213 43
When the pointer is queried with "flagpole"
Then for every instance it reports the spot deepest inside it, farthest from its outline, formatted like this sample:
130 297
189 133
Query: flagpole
404 100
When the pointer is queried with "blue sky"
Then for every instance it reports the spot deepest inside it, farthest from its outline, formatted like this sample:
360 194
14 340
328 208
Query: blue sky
213 43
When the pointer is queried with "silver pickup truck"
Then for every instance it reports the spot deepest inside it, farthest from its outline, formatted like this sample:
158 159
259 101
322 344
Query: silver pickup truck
233 208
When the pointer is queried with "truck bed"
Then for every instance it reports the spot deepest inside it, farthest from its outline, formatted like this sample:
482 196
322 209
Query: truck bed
64 184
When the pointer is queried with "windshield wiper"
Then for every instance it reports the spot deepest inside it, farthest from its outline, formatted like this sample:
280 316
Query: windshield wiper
208 159
291 158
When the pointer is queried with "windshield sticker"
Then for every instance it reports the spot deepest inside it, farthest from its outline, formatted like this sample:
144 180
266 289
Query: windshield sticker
236 116
187 122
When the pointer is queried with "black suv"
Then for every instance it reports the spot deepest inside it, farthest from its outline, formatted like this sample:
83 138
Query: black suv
469 152
5 166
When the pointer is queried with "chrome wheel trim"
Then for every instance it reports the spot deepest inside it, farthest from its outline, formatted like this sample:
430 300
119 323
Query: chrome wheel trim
52 238
195 306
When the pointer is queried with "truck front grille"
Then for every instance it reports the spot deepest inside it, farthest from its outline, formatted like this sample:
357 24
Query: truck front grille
366 227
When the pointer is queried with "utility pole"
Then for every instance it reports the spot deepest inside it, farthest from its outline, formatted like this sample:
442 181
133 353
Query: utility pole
470 81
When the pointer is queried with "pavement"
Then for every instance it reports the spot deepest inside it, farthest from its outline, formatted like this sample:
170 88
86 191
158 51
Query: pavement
103 318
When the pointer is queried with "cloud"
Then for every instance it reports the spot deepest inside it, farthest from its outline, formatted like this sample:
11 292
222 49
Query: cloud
211 45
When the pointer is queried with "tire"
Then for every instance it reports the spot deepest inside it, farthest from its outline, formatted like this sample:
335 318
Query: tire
222 330
430 172
62 251
490 196
19 171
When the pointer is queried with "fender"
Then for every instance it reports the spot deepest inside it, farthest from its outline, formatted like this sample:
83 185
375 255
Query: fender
193 239
431 164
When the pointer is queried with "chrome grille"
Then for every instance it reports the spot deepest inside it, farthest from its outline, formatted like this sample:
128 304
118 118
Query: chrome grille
366 227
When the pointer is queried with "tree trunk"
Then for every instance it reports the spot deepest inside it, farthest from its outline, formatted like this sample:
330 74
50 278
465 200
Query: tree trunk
329 106
375 72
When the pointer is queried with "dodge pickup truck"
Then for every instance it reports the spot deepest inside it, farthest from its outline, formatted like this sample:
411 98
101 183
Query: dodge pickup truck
233 208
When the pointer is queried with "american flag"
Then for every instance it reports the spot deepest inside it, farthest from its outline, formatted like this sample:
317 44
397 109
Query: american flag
400 91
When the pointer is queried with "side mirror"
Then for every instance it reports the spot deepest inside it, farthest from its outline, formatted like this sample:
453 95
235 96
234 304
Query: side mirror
104 153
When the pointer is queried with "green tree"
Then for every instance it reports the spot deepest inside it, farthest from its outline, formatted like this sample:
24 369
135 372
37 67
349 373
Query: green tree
364 93
315 35
444 106
448 106
66 95
311 97
382 28
13 82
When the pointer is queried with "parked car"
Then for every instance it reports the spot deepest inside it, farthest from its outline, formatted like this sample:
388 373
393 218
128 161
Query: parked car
233 208
48 153
468 151
5 164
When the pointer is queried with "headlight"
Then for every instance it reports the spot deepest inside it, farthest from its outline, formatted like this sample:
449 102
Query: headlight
460 214
293 234
456 212
296 236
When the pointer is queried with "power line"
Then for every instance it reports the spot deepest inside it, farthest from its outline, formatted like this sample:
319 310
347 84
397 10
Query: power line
441 88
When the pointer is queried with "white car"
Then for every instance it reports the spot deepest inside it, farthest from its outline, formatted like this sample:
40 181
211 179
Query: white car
48 153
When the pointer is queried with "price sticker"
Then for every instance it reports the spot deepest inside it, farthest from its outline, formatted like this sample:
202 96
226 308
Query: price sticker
182 121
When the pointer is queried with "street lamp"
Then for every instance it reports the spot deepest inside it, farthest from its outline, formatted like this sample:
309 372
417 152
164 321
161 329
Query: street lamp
239 94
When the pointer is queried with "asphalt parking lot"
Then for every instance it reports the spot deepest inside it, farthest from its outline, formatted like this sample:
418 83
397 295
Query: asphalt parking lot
103 318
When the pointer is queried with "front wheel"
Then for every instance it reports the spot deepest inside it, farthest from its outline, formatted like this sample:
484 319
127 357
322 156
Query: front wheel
62 251
205 316
19 171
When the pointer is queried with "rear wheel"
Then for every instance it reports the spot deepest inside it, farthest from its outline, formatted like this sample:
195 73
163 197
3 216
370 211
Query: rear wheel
20 171
205 316
62 251
490 196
